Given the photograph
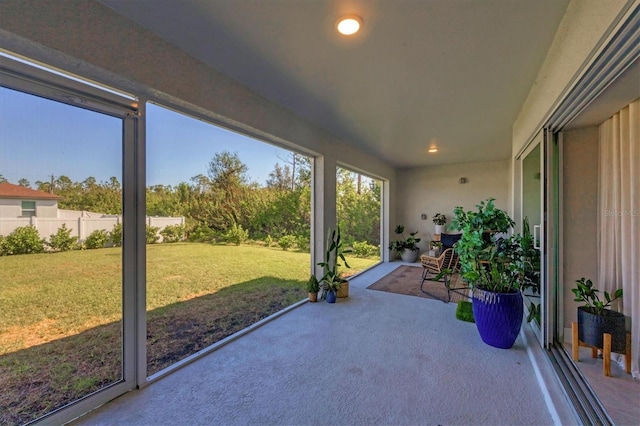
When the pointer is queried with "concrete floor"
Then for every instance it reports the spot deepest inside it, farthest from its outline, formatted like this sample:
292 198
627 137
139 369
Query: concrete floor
374 358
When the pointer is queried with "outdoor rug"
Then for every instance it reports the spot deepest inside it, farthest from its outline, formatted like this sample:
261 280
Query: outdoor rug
406 280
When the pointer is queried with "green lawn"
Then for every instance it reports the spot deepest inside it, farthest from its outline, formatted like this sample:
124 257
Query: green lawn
60 331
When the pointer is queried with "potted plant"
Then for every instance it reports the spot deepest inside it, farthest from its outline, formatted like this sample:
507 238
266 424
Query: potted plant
313 287
331 280
434 248
594 319
407 247
331 286
439 220
494 268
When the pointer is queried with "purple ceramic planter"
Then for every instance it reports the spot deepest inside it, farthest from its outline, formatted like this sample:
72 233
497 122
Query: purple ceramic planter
498 317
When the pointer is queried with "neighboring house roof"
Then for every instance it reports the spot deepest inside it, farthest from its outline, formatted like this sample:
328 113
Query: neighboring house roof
9 190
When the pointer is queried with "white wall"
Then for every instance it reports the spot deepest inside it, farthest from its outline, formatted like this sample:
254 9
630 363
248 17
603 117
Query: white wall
580 208
435 189
581 31
12 208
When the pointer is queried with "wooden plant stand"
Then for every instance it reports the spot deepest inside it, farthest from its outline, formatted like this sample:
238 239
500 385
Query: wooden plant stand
606 350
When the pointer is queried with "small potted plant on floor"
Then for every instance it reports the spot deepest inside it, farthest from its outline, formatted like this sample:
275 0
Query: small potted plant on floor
331 281
313 287
439 220
407 247
594 319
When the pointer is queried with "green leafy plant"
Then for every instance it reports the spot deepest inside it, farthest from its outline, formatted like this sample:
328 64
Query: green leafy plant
62 239
287 241
115 236
236 234
410 242
335 252
303 243
531 257
486 262
201 233
172 233
313 285
23 240
439 219
586 293
364 249
151 234
97 239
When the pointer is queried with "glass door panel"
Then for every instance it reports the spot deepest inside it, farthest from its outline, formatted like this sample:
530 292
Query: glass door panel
532 193
61 281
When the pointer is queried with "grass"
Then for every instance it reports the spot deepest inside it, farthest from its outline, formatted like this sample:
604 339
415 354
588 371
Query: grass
60 322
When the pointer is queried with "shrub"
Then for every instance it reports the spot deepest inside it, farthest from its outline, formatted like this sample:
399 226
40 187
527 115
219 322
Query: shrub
364 249
172 233
23 240
115 236
236 234
286 242
151 234
201 233
62 239
303 242
97 239
268 240
2 243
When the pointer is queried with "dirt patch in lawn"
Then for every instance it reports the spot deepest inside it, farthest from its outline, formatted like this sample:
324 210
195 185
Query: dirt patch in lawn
42 378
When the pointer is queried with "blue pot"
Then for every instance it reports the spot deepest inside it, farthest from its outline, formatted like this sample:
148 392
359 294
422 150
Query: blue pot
498 317
331 297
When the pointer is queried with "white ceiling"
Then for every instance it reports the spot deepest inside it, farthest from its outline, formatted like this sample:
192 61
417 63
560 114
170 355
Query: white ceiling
450 72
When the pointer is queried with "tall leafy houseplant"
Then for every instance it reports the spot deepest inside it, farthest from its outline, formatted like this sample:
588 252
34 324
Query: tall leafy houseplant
494 269
407 247
335 251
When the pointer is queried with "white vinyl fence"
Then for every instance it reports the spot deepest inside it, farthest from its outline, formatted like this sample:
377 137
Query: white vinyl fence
81 226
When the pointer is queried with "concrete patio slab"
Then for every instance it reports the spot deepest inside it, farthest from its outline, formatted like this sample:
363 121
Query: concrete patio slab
374 358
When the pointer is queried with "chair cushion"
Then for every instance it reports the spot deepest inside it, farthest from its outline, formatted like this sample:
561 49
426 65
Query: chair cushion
448 240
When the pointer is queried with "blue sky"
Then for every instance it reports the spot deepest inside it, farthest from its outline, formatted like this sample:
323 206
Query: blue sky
39 137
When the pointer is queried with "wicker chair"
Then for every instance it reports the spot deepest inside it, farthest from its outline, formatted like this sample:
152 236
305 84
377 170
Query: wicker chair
447 260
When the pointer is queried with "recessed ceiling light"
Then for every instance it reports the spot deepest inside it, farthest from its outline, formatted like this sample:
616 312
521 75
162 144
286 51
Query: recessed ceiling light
432 150
349 24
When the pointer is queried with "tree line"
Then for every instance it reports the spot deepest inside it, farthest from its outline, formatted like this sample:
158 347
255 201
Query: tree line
224 200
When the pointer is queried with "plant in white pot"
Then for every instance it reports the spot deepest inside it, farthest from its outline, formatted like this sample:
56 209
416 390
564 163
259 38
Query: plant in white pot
439 220
407 247
495 270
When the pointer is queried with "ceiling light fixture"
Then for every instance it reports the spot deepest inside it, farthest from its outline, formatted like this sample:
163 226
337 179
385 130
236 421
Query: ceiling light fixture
432 150
349 24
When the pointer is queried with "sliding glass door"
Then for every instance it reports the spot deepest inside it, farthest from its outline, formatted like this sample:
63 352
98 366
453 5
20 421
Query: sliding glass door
62 270
532 226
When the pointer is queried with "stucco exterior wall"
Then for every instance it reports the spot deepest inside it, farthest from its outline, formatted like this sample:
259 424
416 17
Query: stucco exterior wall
12 208
585 24
432 190
580 205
